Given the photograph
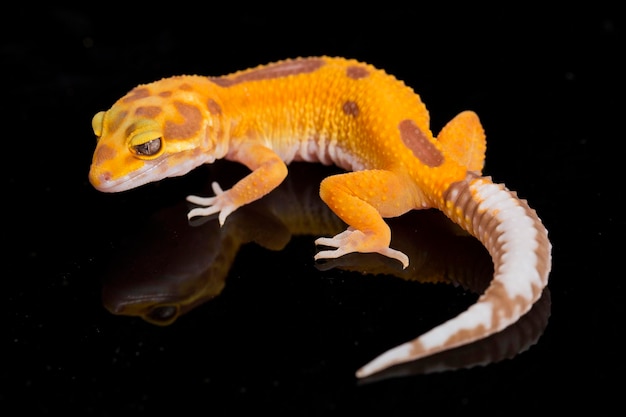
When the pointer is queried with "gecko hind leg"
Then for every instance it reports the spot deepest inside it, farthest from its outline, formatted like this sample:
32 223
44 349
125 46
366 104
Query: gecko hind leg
361 199
349 241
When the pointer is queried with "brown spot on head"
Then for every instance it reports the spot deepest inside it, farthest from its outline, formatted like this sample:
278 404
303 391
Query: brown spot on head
136 94
103 153
214 108
149 112
117 120
130 129
268 72
189 127
350 108
419 144
356 71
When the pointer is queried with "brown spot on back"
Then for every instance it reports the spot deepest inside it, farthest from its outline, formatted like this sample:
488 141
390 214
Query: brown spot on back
136 94
222 81
165 94
271 71
185 87
356 72
350 108
418 143
189 127
149 112
214 108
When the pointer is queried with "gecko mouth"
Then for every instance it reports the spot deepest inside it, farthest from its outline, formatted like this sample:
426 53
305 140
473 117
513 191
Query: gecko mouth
158 169
103 181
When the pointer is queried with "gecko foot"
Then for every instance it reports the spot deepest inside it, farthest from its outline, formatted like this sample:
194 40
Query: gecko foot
221 204
353 240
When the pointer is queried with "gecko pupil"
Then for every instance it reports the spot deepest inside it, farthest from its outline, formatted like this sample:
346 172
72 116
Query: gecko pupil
148 148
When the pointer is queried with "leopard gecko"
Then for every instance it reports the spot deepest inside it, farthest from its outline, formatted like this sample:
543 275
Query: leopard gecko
347 113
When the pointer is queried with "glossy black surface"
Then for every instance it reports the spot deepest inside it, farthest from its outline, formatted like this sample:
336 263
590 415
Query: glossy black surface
272 331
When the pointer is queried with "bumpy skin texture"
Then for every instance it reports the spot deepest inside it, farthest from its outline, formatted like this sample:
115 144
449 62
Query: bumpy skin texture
347 113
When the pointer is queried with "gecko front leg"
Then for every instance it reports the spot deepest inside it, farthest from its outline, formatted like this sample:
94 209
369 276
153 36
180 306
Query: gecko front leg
268 171
220 203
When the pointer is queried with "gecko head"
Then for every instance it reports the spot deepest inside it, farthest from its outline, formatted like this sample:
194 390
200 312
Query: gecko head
156 131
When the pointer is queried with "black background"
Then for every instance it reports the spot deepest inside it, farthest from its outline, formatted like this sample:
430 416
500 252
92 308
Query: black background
285 337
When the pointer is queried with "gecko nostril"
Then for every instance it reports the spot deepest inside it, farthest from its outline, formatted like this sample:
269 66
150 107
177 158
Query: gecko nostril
98 179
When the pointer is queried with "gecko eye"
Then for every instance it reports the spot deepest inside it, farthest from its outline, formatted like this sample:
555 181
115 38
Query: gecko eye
146 139
152 147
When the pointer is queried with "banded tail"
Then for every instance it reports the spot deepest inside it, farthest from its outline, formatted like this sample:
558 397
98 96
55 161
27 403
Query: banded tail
518 244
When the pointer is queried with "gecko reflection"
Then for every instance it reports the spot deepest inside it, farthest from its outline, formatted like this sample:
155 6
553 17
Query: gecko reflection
172 268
